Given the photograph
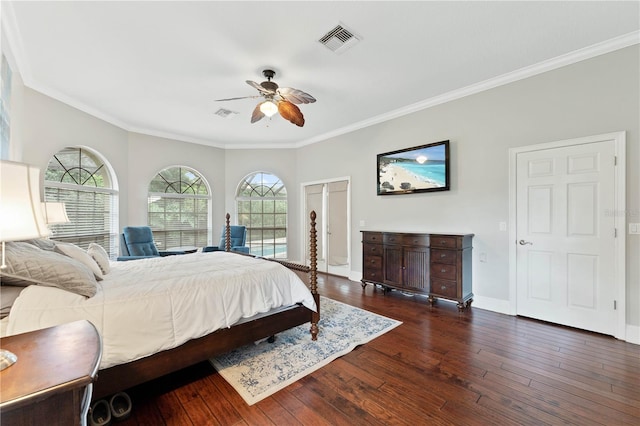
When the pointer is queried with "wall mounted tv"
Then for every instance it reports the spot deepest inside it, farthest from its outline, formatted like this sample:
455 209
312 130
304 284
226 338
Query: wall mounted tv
423 168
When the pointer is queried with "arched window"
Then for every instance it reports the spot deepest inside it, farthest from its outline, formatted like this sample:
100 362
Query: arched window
82 180
262 208
179 205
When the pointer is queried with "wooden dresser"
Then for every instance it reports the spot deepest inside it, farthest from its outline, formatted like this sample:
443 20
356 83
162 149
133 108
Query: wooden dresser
51 382
435 265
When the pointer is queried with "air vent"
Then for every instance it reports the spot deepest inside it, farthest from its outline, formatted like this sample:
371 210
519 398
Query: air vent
339 39
225 113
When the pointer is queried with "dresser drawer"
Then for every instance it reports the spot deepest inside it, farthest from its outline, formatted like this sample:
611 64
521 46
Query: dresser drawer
372 262
372 237
392 238
442 241
443 270
444 288
372 249
415 240
444 256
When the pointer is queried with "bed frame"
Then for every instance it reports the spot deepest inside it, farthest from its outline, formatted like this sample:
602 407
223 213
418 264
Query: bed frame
124 376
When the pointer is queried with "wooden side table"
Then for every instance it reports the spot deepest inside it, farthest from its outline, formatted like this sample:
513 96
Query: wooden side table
52 380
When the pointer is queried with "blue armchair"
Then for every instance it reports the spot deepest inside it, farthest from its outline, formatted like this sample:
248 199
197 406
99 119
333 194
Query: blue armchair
238 236
136 242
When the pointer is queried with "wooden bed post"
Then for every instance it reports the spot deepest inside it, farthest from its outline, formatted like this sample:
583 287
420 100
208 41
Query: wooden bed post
227 234
313 279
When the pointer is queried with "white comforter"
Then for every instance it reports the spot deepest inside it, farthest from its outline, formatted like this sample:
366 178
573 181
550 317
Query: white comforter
145 306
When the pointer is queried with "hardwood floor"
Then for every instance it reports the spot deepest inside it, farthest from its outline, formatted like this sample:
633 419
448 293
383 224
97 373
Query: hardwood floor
438 367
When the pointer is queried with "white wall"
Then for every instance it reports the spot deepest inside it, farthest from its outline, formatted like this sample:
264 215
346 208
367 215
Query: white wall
47 126
150 154
280 162
596 96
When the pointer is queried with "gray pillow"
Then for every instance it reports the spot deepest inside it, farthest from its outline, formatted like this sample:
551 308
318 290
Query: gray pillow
43 243
27 265
75 252
8 295
101 257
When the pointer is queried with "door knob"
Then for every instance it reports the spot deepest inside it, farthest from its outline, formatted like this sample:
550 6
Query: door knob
524 243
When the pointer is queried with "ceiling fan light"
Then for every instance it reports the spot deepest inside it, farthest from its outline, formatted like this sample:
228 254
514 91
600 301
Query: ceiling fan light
268 108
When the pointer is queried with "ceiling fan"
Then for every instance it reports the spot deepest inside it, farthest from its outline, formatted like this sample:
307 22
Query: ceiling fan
277 99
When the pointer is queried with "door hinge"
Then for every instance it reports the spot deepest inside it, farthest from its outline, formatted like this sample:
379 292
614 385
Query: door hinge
615 232
615 305
615 160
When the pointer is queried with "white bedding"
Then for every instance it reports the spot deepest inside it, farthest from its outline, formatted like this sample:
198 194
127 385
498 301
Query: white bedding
148 305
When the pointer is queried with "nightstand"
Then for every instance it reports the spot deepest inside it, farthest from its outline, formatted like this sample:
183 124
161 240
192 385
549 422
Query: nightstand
52 380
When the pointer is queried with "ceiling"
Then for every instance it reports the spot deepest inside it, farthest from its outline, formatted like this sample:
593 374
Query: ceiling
158 67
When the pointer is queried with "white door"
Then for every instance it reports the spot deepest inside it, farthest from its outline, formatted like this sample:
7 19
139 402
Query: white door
566 243
330 201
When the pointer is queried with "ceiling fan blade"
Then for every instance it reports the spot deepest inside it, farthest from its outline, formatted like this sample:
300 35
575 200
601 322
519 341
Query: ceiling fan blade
296 96
290 112
234 99
259 88
257 114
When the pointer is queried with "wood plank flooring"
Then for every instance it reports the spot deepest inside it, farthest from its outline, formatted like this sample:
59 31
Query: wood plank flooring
439 367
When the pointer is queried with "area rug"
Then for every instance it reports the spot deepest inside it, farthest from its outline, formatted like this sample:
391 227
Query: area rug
259 370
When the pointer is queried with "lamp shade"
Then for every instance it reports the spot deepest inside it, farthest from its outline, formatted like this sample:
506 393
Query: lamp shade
20 210
268 108
54 213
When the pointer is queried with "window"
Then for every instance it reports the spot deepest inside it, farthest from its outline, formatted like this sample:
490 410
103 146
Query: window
5 108
179 205
79 178
262 208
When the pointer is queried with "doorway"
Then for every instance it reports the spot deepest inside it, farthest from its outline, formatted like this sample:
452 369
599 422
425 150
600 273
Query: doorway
330 200
567 254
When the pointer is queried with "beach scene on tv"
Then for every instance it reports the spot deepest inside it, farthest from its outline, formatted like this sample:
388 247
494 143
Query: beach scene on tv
413 170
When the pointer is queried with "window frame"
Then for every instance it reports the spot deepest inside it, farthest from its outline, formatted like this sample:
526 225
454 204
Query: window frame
251 230
162 235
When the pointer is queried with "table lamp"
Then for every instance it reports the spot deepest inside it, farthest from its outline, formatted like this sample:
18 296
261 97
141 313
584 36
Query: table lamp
20 215
54 213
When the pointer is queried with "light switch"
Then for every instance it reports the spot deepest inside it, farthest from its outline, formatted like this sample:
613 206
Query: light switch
361 223
634 228
502 226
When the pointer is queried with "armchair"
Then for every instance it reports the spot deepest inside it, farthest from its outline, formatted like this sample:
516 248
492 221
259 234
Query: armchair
238 236
136 242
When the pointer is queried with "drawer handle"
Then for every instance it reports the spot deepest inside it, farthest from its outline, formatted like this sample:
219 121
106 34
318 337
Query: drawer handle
372 261
443 242
444 287
443 270
443 255
373 249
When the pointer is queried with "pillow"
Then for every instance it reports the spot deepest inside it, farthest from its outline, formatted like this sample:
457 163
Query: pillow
27 265
43 243
8 295
101 257
75 252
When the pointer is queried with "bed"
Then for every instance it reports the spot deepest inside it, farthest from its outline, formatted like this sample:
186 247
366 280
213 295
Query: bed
159 315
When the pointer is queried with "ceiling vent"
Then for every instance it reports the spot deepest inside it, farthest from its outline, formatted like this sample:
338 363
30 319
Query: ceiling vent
339 39
225 113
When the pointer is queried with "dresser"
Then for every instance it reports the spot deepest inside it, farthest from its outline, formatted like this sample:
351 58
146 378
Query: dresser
434 265
51 382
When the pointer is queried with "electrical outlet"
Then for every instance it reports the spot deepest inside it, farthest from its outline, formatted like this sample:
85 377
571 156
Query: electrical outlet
361 223
502 226
634 228
483 257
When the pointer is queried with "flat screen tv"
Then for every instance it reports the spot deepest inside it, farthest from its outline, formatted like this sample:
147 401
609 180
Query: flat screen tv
423 168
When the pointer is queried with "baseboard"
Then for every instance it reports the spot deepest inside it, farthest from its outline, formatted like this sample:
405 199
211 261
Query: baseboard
632 334
491 304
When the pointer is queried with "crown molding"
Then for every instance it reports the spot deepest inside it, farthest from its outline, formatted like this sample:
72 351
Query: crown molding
17 53
570 58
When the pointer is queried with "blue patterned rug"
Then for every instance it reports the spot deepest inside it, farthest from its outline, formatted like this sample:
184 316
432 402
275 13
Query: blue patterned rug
259 370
